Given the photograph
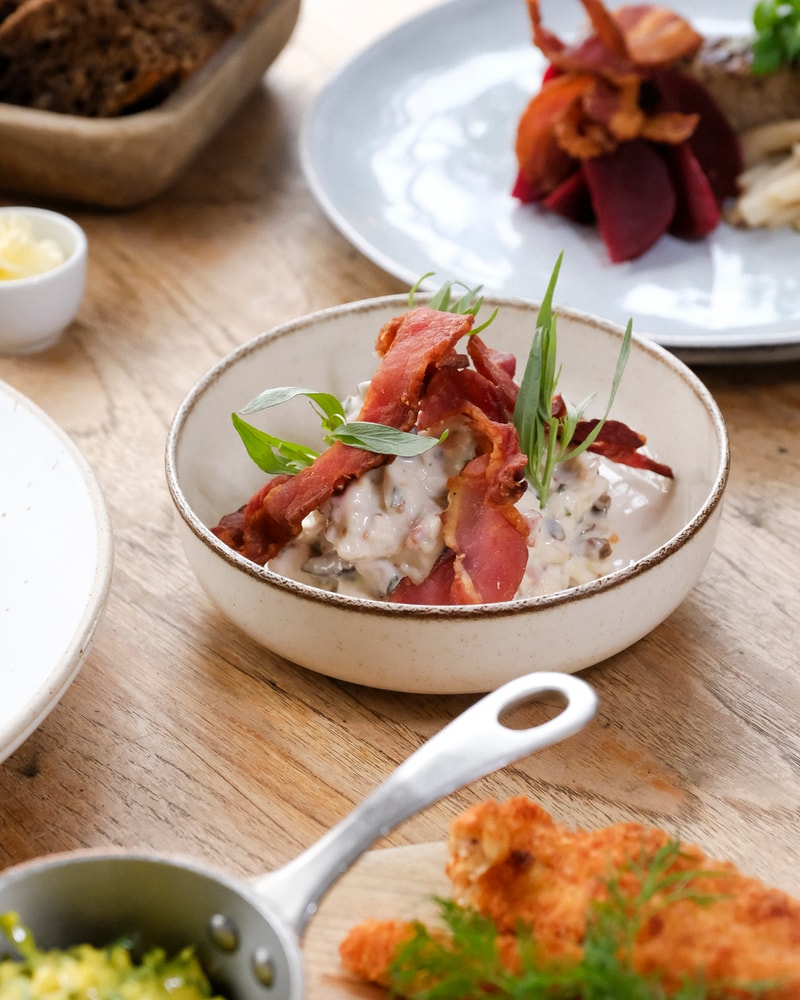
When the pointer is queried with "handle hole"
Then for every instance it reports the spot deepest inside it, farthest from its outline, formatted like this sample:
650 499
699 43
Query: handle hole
533 710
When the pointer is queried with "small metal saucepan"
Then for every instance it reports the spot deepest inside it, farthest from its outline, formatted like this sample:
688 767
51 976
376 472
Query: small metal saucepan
247 935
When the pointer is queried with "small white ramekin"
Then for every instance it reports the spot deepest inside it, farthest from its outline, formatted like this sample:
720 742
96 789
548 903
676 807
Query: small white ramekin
34 311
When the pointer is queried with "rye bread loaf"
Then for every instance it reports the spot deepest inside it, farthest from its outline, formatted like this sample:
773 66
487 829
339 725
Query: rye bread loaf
102 58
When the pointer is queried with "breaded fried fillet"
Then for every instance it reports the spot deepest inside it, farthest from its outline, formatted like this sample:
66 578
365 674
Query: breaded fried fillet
511 862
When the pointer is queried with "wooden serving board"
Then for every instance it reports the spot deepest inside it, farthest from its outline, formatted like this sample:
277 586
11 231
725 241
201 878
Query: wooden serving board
394 883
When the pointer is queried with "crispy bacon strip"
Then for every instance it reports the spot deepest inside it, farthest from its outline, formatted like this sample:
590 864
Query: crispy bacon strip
591 103
484 533
411 346
542 160
622 44
656 37
452 393
436 588
496 366
616 441
482 526
603 52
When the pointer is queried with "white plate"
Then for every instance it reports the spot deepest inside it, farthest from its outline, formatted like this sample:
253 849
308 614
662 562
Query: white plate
56 554
410 152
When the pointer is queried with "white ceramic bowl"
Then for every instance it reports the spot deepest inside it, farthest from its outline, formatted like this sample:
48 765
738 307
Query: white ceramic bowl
445 649
35 311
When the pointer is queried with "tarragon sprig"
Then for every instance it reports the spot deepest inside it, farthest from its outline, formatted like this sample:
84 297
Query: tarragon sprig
276 456
547 439
544 438
443 300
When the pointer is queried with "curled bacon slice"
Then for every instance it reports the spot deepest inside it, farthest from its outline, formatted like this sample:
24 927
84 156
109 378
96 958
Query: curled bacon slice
656 37
483 528
622 44
411 346
543 162
498 368
616 441
485 535
592 101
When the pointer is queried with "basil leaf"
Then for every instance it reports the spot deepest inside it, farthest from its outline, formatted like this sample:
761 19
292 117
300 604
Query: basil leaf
384 440
272 455
326 404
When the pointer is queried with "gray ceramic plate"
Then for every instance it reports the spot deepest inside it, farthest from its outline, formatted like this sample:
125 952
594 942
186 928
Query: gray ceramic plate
409 151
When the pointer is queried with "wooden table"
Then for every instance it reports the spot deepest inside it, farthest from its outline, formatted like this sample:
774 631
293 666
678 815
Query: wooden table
181 735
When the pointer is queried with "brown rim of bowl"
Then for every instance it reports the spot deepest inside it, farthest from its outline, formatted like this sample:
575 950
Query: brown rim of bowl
529 604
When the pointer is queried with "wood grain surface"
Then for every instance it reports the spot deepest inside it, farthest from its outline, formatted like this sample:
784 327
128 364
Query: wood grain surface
396 883
181 735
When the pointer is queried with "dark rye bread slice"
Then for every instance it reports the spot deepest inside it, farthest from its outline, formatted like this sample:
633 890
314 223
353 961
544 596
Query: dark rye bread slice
103 58
7 7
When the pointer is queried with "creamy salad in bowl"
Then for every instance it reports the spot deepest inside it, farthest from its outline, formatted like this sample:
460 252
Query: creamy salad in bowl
387 525
445 480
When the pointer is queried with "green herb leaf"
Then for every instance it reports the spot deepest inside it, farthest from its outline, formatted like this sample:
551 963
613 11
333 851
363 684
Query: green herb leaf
272 455
384 440
533 412
276 456
328 407
777 41
18 934
546 439
469 303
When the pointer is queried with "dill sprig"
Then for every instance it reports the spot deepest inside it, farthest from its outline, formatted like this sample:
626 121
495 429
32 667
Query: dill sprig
465 959
546 438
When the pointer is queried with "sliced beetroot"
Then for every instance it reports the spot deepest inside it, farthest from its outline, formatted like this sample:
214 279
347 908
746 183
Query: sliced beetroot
697 212
713 142
526 190
572 199
633 198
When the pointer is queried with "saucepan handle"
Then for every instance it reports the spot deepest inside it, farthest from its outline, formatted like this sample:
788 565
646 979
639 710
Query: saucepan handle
474 744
